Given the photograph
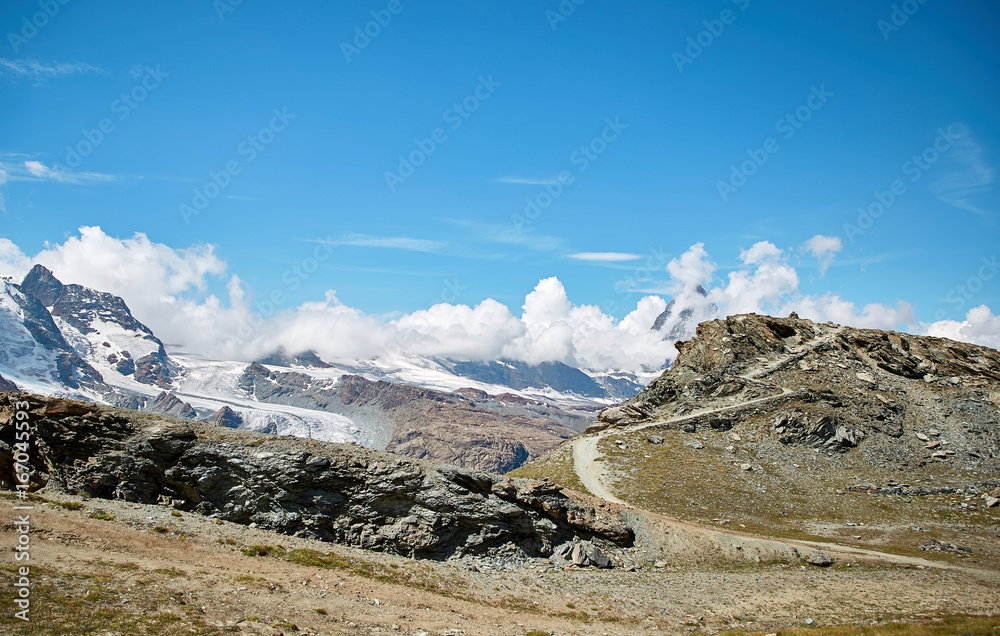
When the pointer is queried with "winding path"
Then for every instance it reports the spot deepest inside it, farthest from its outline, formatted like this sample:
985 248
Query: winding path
585 447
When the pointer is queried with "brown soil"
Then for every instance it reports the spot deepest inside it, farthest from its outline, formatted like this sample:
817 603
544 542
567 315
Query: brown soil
137 569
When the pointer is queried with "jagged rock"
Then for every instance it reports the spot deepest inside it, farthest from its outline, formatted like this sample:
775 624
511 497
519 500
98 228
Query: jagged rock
625 414
654 439
332 492
7 385
226 417
169 404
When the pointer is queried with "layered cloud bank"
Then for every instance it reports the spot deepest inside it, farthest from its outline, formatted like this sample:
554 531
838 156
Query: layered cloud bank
166 289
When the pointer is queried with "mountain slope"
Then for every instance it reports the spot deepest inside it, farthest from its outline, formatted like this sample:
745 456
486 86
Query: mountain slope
790 427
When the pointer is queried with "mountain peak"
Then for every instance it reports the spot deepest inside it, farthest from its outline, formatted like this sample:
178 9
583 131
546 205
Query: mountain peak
41 283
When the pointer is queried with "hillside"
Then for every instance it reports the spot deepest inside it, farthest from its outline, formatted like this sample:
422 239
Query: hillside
789 428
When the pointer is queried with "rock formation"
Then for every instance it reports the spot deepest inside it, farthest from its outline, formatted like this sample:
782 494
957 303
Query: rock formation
338 493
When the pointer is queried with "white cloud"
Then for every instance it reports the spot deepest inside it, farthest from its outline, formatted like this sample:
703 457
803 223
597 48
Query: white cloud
39 171
980 327
766 283
824 249
390 242
166 288
528 180
13 261
964 177
31 69
605 256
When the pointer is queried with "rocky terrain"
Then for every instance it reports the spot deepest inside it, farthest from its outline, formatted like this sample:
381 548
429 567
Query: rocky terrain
337 493
148 524
789 428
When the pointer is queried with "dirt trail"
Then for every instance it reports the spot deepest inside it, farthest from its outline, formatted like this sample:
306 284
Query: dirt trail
585 463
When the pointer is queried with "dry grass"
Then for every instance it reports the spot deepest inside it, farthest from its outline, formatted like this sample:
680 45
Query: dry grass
951 626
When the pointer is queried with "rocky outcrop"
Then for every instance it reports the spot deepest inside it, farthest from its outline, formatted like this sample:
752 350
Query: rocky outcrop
831 388
332 492
152 369
281 358
169 404
226 417
7 385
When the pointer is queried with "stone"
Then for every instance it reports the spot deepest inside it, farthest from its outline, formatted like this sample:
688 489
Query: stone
991 501
922 437
865 377
933 444
654 439
695 445
933 431
747 467
819 559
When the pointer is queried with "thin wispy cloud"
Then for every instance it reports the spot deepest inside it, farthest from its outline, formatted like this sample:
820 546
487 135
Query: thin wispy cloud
37 171
389 242
605 257
528 180
508 234
965 177
38 71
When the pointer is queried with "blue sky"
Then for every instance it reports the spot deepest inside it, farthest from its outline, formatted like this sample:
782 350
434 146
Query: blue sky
211 75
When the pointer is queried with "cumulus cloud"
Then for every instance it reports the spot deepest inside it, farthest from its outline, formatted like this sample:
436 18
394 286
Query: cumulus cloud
980 327
168 289
765 283
823 249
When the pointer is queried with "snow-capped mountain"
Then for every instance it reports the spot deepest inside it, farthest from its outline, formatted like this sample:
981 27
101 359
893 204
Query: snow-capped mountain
72 341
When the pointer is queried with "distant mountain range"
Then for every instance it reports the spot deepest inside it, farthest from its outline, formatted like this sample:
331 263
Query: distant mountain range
72 341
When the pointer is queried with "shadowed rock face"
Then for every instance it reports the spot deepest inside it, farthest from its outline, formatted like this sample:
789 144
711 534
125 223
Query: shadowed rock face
332 492
7 385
